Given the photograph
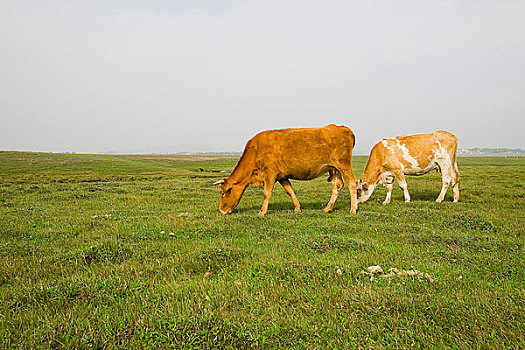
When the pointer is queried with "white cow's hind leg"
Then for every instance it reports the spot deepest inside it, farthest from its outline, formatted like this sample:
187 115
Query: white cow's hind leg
447 177
404 187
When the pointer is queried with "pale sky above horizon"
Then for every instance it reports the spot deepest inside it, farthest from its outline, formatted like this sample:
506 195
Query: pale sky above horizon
200 75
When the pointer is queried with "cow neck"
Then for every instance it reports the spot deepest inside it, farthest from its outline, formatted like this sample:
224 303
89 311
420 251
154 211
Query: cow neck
372 172
242 174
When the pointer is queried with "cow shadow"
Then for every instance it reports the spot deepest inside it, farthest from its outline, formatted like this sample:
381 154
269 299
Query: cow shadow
428 195
283 206
416 195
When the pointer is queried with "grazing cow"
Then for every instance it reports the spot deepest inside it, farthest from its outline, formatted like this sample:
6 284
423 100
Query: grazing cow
410 155
300 154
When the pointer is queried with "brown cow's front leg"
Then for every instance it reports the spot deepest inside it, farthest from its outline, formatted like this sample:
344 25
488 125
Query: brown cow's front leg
268 188
337 185
288 188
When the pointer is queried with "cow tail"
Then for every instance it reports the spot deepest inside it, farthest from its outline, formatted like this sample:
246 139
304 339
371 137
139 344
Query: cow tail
455 166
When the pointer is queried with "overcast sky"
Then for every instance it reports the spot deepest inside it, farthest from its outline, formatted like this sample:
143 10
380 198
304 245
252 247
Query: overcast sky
206 75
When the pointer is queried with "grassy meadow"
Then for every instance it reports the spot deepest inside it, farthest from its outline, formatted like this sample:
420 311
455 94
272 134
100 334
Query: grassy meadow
114 251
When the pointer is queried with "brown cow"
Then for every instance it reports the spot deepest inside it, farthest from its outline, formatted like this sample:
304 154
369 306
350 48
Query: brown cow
410 155
300 154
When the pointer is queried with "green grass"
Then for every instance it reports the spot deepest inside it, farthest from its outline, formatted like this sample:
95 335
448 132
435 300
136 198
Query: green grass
87 259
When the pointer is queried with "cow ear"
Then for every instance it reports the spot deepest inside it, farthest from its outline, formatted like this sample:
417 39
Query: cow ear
220 182
227 188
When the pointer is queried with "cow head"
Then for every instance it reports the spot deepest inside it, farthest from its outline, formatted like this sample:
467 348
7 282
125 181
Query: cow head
231 194
364 191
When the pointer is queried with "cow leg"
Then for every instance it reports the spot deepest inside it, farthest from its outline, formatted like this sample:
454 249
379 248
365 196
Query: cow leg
268 189
389 183
400 177
288 188
388 193
447 175
337 185
351 181
455 183
455 188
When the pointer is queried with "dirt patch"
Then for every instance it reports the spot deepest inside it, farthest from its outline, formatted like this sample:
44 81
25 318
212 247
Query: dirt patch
376 271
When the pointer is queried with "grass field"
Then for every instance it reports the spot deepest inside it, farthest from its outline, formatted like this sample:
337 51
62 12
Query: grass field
101 251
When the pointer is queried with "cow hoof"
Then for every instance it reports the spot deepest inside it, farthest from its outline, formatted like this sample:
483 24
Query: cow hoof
327 210
297 210
386 202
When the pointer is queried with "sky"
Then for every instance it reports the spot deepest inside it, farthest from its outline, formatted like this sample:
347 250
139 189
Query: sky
132 76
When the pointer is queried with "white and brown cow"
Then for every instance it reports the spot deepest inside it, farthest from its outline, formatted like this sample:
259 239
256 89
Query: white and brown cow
410 155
